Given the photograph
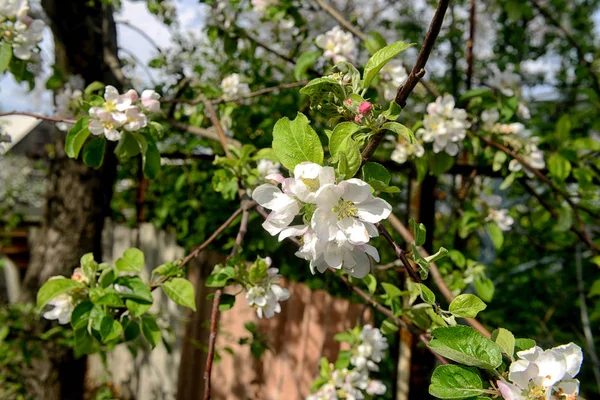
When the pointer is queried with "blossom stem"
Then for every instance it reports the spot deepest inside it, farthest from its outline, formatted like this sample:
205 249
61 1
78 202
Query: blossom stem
400 253
214 316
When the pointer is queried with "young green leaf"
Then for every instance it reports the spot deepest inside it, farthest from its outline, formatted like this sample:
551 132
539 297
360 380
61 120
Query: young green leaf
419 232
110 329
84 342
426 294
465 345
295 142
506 340
455 382
55 287
131 261
341 132
150 330
151 160
181 291
371 283
305 61
5 56
401 130
484 288
76 137
226 303
495 234
93 152
373 171
466 306
379 59
523 344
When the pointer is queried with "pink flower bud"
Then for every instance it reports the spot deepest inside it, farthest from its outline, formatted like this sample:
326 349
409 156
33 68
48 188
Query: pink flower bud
365 108
357 119
349 102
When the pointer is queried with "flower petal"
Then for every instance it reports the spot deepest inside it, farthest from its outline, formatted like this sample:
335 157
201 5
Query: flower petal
374 210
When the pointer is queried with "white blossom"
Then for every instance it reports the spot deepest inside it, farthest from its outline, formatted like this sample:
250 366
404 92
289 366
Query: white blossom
338 45
544 374
501 218
404 150
393 75
506 81
150 101
444 125
19 29
371 350
66 100
267 167
490 119
261 6
63 308
530 154
266 294
232 86
523 111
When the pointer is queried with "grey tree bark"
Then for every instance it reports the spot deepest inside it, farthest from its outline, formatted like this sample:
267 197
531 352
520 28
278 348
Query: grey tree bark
78 197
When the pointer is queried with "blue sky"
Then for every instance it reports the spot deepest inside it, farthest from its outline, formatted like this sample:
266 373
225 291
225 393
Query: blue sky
189 14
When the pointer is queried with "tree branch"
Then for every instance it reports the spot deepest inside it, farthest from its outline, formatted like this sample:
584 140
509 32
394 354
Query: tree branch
38 116
416 74
471 44
214 118
202 132
214 317
414 274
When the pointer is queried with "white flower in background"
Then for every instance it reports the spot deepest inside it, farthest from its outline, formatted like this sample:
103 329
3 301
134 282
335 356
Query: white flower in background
261 6
376 387
63 308
523 112
505 81
544 374
404 150
531 154
266 294
501 218
490 119
371 350
338 45
232 86
444 125
66 101
393 75
150 100
267 167
19 29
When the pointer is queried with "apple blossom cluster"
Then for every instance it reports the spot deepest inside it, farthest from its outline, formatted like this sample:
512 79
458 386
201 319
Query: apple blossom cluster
506 81
444 125
527 148
265 294
352 384
404 151
64 304
490 119
336 219
267 167
544 374
232 86
19 29
393 75
502 218
122 111
66 102
338 45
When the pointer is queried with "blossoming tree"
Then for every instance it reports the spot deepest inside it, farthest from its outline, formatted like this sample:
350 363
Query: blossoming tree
325 172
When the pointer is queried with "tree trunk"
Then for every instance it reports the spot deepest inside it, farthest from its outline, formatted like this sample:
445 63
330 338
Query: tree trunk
78 197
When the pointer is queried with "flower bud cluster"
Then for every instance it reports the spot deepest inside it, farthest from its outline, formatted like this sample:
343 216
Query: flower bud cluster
122 111
264 293
337 218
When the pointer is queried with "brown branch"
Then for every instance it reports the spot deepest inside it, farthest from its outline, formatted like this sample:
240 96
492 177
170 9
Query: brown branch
214 118
582 231
38 116
416 74
214 316
414 274
202 132
574 42
434 271
471 44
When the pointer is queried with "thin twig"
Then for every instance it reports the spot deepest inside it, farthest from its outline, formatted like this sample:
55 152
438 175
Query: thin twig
214 316
214 118
414 274
416 74
142 33
38 116
550 183
471 44
434 271
202 132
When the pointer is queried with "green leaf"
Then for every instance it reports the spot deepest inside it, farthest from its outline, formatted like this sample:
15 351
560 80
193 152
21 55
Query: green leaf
107 277
426 294
392 291
110 329
304 63
150 330
441 253
401 130
523 344
55 287
295 142
5 56
226 303
181 291
419 232
388 326
343 360
151 161
93 88
373 171
167 270
344 337
340 134
475 93
131 261
455 382
495 234
371 283
220 276
484 288
563 128
84 343
440 163
319 87
565 220
506 340
111 299
559 167
93 152
349 158
131 330
465 345
81 314
140 291
76 137
89 266
466 306
380 58
374 42
499 159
